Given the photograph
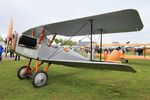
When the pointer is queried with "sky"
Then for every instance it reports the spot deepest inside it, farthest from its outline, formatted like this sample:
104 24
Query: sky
30 13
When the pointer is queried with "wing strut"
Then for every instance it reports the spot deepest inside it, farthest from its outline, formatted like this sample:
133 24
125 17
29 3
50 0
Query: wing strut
68 40
51 41
91 21
101 41
42 35
33 33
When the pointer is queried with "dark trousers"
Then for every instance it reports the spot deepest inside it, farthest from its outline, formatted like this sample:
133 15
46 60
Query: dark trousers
17 57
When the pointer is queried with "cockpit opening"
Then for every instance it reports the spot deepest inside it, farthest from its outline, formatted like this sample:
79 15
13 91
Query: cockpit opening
27 41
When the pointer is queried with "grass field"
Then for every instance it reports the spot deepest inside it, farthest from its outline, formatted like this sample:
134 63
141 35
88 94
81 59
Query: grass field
66 83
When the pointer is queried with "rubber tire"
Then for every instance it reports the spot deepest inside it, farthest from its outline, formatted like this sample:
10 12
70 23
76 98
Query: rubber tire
18 73
33 79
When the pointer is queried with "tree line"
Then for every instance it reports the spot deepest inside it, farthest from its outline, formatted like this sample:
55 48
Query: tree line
64 42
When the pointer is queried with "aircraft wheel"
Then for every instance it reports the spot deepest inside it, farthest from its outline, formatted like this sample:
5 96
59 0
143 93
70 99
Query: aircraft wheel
22 72
39 79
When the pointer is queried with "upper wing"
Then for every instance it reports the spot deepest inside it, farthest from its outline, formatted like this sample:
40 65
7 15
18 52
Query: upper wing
120 21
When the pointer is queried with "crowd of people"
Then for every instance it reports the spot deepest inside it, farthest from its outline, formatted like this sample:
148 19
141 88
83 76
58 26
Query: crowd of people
11 53
139 51
119 51
116 53
136 51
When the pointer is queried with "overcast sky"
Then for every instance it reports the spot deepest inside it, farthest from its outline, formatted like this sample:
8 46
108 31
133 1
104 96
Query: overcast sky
31 13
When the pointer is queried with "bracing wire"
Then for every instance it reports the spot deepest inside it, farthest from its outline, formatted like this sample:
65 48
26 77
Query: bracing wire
67 40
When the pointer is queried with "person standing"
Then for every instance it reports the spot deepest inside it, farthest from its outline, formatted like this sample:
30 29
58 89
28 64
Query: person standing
105 54
1 51
11 54
17 57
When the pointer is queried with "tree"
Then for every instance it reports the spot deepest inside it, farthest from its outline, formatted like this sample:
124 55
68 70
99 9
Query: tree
1 39
57 41
65 42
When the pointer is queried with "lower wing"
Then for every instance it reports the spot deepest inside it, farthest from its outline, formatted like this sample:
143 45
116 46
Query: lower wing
93 65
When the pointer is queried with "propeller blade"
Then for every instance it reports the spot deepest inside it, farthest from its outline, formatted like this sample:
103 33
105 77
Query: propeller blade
10 30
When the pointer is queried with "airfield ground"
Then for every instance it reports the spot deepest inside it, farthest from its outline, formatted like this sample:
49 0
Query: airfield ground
67 83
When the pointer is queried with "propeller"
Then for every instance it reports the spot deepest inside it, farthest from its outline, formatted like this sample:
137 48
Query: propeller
10 30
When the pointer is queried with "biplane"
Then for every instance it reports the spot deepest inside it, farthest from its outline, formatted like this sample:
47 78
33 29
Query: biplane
35 45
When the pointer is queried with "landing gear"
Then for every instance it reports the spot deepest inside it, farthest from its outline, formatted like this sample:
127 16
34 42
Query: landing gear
39 79
22 72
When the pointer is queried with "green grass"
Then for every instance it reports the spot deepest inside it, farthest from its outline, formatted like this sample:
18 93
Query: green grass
66 83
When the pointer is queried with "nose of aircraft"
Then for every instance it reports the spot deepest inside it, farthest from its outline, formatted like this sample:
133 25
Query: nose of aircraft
14 41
